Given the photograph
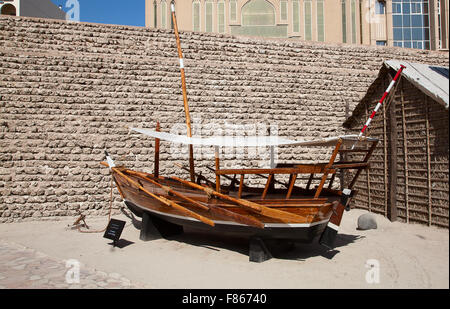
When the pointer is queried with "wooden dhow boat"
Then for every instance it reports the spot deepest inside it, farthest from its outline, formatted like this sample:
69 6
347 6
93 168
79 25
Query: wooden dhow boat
279 210
287 212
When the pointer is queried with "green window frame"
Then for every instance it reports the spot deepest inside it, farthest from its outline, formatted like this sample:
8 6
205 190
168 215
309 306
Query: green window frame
163 14
196 16
233 10
221 16
296 16
344 21
283 10
353 11
308 19
320 21
208 16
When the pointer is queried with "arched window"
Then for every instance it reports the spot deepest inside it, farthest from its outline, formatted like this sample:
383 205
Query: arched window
221 16
283 10
209 16
8 9
308 20
344 22
196 15
353 12
295 16
258 13
155 14
163 14
233 10
320 21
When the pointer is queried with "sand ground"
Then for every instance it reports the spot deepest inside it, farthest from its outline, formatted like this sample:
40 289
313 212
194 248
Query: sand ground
408 256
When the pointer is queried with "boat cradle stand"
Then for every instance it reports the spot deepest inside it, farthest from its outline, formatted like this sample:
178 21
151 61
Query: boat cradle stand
153 228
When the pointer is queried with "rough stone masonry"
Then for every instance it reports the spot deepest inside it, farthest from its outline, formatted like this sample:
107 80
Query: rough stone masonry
69 90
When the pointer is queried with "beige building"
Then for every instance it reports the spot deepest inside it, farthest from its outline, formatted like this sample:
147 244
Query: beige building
419 24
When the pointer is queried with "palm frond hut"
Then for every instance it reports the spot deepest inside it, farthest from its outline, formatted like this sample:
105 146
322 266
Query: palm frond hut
408 176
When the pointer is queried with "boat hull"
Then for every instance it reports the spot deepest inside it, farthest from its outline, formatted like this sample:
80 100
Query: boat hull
311 215
304 232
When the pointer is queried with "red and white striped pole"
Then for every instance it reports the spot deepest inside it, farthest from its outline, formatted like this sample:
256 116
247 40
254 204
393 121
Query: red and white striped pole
386 93
329 234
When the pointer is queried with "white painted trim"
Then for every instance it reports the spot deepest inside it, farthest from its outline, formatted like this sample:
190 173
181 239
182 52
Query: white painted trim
333 226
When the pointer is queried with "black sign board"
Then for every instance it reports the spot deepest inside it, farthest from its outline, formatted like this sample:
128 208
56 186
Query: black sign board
114 230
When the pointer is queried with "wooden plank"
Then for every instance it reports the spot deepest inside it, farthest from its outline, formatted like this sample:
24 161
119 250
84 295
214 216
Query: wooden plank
366 159
281 215
266 189
405 154
385 158
217 162
391 165
166 201
291 186
328 166
213 209
241 185
311 177
427 116
156 169
294 170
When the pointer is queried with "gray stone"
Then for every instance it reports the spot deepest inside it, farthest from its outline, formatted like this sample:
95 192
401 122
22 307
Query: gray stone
367 222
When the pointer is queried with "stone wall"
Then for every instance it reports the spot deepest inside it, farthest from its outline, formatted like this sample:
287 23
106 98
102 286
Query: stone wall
68 91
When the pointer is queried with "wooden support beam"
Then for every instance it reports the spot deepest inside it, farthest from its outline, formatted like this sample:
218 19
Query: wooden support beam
165 201
330 185
366 159
217 160
427 126
309 181
405 155
241 185
391 134
156 171
266 189
281 215
327 167
291 186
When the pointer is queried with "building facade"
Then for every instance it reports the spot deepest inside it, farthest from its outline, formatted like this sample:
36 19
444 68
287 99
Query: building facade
31 8
419 24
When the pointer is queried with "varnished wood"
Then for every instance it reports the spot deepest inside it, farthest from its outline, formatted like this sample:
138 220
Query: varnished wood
211 208
326 172
283 216
156 171
330 185
291 186
308 185
241 185
298 169
185 99
217 162
165 201
266 188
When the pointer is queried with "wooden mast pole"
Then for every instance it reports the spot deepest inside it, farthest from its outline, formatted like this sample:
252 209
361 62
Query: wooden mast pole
183 85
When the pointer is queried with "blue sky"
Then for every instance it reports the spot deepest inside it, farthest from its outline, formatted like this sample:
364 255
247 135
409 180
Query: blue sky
125 12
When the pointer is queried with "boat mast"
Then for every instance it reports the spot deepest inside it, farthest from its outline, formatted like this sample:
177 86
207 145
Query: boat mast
185 100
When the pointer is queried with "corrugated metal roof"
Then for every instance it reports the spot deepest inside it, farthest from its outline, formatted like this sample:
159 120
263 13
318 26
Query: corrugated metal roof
432 80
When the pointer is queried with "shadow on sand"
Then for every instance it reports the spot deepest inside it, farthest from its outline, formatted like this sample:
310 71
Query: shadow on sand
280 249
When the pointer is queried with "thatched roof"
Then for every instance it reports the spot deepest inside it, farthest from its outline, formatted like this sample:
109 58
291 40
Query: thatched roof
430 79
